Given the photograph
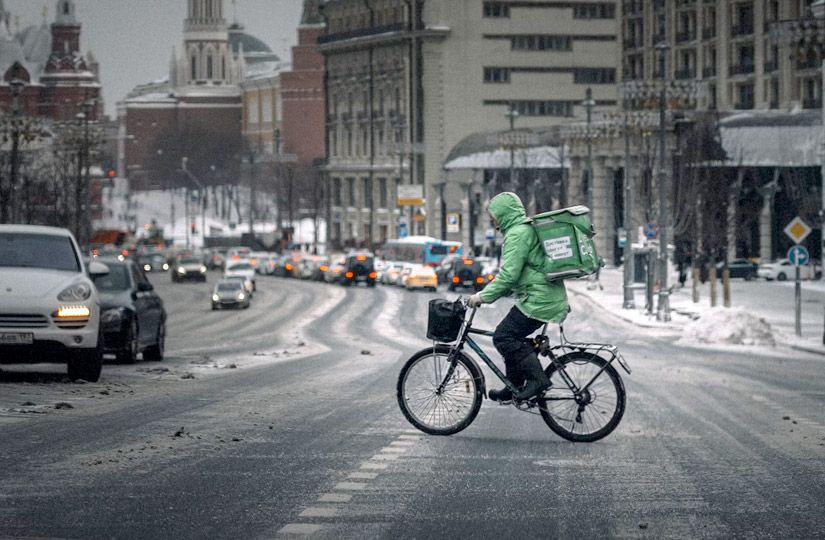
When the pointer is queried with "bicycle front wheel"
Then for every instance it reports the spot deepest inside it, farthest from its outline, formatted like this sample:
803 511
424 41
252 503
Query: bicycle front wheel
591 414
435 400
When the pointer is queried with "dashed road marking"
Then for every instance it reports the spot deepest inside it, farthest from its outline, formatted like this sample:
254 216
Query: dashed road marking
335 497
402 443
350 486
373 466
299 528
385 457
363 475
410 437
394 450
319 511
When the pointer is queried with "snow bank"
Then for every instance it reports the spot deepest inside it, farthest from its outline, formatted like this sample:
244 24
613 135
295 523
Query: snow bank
735 326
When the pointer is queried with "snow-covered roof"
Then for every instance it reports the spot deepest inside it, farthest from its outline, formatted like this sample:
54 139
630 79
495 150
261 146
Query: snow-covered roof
772 138
485 150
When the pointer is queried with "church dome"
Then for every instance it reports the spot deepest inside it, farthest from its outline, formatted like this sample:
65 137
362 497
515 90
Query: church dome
254 50
10 49
37 44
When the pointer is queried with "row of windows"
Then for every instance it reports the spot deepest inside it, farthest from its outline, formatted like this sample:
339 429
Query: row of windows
580 10
580 75
538 107
348 187
541 43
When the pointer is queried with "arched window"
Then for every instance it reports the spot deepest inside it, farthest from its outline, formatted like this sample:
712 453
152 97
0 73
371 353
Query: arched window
65 8
223 68
209 66
194 67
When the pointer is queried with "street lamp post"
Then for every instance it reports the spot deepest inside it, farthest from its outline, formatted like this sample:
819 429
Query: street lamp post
663 310
512 114
588 105
627 219
202 199
16 89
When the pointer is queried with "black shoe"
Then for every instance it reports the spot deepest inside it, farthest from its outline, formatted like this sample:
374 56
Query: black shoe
505 394
531 389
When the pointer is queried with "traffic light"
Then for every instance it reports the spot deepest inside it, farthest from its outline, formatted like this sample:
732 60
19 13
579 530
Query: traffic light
111 173
194 228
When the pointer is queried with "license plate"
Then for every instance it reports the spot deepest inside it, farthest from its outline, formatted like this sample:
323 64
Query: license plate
16 338
468 283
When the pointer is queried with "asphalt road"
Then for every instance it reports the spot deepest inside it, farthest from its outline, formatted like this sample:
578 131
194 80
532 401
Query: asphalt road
281 421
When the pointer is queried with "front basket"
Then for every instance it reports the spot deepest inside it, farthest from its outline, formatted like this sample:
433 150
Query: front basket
444 320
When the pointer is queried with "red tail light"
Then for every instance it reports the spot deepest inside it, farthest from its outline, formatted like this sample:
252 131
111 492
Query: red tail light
349 275
455 279
288 267
324 268
479 279
372 275
361 258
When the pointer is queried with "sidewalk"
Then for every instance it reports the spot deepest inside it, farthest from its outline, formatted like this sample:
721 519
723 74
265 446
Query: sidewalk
771 301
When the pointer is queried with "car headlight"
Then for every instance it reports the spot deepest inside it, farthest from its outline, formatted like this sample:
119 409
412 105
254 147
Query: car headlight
203 269
181 270
111 316
241 296
215 297
147 267
76 292
165 266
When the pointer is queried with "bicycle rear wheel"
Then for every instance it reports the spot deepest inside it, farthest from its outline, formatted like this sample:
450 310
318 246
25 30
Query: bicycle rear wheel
593 413
434 411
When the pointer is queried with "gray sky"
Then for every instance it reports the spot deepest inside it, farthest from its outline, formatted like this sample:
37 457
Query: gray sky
133 39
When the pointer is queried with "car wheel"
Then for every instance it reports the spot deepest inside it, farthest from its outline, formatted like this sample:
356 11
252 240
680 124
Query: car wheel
129 354
782 277
214 307
155 352
86 364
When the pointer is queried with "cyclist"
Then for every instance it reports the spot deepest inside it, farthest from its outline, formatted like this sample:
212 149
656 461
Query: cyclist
537 300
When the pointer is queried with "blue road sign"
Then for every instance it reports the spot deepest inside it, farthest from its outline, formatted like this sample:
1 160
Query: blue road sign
402 230
651 230
798 256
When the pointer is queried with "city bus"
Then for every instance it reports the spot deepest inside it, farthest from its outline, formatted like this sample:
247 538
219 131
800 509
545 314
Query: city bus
419 249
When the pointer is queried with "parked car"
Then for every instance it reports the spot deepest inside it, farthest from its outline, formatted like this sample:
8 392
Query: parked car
230 293
783 270
421 277
50 309
133 319
739 268
243 269
359 267
188 269
154 262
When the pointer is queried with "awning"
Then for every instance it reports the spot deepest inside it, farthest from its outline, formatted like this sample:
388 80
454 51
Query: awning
772 138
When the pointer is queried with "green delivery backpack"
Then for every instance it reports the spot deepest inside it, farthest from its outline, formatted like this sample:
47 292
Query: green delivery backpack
567 238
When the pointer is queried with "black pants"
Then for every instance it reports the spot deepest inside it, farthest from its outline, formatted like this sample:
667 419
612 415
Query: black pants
509 339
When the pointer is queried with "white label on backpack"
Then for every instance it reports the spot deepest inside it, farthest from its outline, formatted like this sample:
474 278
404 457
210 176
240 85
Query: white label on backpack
558 248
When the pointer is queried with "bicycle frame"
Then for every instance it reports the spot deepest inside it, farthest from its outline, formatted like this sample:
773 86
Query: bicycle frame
596 349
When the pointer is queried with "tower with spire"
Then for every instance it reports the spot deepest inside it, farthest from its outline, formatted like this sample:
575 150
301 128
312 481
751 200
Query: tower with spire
206 57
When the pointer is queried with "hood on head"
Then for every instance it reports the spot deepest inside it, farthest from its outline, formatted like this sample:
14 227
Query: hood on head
508 210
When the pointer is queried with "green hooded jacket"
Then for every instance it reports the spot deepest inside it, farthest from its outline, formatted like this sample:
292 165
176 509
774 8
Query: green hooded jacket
521 262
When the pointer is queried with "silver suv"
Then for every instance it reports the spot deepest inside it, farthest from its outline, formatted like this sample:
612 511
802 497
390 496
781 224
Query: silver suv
49 308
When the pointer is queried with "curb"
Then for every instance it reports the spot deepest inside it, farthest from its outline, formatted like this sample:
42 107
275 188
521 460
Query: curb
619 316
820 352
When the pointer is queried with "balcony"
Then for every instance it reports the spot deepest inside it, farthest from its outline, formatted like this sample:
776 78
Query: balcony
685 73
683 37
708 33
708 72
360 33
740 30
740 69
771 66
812 103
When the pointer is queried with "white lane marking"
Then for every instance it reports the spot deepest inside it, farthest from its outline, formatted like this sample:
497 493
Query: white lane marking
319 511
402 443
350 486
373 466
385 457
299 528
363 475
394 450
335 497
410 437
386 323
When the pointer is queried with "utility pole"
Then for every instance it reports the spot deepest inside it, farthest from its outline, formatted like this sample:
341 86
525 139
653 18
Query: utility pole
627 221
512 114
588 104
16 88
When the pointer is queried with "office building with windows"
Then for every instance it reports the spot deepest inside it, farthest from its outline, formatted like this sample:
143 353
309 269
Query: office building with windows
409 80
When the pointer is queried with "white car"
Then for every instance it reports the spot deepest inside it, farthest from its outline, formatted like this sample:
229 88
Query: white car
243 269
49 307
783 270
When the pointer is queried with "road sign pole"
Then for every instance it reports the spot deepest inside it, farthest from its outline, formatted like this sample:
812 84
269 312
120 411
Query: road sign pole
798 302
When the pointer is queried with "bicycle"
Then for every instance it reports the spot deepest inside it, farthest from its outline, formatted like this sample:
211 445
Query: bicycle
440 388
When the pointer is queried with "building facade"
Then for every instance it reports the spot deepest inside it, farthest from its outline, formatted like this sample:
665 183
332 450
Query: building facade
409 80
